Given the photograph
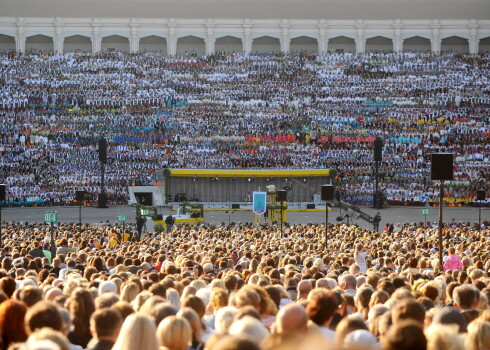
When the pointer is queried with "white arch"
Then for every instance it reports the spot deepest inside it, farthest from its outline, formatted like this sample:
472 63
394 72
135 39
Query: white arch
342 44
77 42
228 43
115 41
191 44
39 42
157 43
266 44
7 42
304 43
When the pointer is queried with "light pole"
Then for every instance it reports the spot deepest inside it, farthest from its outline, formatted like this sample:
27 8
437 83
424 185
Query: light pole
327 195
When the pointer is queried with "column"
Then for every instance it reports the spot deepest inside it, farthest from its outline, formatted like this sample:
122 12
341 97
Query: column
360 41
247 40
285 41
96 40
58 40
473 41
20 40
435 41
172 42
322 42
134 41
210 41
397 41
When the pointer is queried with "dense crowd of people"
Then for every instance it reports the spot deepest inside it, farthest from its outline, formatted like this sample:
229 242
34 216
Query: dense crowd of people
242 111
242 286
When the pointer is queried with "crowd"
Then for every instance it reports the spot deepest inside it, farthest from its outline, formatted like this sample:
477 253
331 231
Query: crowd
242 286
242 111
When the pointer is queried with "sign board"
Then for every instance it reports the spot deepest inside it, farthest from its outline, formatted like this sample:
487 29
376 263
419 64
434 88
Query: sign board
425 211
145 212
259 203
121 218
51 217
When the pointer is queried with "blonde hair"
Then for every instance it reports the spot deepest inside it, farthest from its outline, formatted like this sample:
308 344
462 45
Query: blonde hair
194 321
443 337
50 334
173 298
478 337
174 333
129 292
137 330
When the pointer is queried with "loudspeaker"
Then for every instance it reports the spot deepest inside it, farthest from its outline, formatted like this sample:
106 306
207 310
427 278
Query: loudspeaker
327 192
310 206
235 206
378 149
282 195
442 166
79 196
102 202
480 195
2 192
102 150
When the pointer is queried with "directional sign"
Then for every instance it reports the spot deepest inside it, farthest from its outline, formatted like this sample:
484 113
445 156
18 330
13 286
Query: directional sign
259 203
425 211
121 218
145 212
51 217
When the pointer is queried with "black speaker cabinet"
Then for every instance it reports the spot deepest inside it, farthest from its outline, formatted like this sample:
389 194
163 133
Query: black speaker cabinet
2 192
102 150
235 206
79 196
442 166
310 206
378 149
282 195
327 192
480 195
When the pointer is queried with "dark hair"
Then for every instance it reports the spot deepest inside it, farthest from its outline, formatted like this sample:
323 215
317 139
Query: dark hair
408 309
405 335
321 307
44 314
106 322
12 328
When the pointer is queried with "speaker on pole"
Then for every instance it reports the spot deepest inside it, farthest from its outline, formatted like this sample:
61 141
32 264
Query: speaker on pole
327 192
378 149
282 195
79 196
102 150
2 192
480 195
441 166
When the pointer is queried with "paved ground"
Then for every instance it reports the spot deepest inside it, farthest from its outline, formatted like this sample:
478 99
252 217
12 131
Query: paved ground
394 215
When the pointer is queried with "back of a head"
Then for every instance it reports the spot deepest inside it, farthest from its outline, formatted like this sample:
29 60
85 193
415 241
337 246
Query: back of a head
30 295
161 311
292 318
249 327
408 309
136 330
450 316
174 333
105 322
465 297
230 342
478 337
405 335
44 314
